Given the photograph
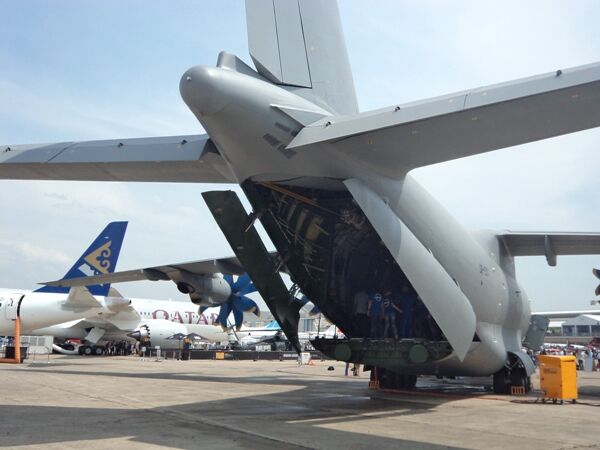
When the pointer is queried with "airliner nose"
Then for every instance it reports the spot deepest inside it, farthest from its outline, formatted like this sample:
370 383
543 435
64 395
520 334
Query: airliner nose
201 88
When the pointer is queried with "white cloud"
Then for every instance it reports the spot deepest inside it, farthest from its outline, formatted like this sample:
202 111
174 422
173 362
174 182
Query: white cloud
10 250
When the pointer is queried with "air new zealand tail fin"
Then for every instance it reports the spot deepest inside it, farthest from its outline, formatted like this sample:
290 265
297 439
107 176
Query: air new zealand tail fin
100 257
272 325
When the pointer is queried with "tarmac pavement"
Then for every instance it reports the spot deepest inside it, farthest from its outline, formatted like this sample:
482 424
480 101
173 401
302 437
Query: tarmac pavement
123 402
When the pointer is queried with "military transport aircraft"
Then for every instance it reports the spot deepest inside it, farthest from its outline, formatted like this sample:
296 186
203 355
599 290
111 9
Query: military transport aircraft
332 188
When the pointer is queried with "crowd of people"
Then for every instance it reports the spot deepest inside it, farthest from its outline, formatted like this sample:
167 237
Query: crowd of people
588 358
120 348
394 314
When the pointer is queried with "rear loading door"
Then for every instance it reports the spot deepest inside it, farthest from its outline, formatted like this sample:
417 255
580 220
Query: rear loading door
439 292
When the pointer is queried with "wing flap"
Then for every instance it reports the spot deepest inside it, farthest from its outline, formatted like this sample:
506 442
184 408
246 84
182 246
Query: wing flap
440 294
170 159
395 140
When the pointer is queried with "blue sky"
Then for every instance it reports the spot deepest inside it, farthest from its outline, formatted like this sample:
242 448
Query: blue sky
72 70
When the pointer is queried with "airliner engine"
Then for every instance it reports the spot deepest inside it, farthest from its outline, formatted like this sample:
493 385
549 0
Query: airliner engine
164 333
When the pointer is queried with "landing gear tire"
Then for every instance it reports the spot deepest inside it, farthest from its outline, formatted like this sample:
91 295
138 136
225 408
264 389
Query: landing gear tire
501 382
505 379
98 351
398 381
518 377
86 350
410 382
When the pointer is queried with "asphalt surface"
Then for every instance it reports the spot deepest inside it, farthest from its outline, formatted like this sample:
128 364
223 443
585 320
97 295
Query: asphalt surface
123 402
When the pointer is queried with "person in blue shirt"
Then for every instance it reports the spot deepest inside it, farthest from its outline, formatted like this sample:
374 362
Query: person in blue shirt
389 314
407 300
375 313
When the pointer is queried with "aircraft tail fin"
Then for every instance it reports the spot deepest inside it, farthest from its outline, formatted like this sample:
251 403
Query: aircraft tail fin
300 44
100 258
272 325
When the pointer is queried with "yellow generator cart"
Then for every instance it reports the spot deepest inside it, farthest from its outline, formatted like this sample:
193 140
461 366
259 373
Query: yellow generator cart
558 378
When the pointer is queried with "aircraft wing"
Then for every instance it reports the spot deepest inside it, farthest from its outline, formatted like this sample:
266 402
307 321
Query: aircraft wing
229 265
394 140
171 159
550 244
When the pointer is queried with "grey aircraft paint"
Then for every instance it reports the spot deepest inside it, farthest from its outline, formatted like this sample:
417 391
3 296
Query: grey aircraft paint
332 184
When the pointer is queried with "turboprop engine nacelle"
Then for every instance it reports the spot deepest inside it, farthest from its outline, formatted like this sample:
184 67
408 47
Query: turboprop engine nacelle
203 290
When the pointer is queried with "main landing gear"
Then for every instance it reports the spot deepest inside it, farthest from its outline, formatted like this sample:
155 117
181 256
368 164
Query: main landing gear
512 378
386 379
91 350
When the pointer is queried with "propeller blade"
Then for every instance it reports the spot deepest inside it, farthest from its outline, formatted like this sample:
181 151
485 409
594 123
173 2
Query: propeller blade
224 312
242 282
245 304
305 301
238 316
248 289
596 273
229 278
597 291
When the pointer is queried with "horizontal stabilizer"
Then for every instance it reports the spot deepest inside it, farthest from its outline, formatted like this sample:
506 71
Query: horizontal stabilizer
550 244
394 140
441 295
303 116
80 298
184 159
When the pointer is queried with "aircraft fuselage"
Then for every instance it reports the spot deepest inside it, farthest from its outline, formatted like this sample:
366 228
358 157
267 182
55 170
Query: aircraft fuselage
244 117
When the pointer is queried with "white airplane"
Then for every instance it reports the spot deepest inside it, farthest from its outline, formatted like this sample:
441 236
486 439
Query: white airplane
113 318
332 188
97 313
163 323
51 305
272 332
166 322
